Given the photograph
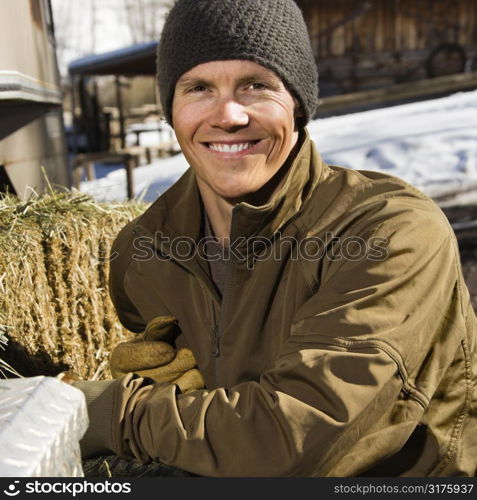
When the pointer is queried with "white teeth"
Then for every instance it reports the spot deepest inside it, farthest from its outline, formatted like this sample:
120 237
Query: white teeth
230 148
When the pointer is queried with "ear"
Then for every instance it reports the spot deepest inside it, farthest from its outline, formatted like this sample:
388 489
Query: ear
298 113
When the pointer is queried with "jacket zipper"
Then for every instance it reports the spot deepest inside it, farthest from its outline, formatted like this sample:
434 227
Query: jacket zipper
215 334
216 353
218 330
140 230
215 343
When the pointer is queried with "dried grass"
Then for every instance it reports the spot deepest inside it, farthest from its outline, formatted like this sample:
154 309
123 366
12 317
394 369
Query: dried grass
54 301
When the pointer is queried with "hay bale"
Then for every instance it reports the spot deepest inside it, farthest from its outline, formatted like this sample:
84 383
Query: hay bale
54 301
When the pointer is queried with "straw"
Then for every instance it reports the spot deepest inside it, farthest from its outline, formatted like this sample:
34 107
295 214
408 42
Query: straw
54 282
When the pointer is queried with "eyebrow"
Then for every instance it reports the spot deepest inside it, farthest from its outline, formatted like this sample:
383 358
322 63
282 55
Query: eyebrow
187 81
192 81
267 77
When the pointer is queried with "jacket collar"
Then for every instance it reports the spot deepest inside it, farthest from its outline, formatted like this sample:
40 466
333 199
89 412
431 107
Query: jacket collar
179 212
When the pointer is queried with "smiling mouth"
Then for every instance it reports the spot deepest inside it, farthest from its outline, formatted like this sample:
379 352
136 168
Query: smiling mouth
231 148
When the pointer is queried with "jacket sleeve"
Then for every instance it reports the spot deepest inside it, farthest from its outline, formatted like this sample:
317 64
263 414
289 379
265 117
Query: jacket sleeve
356 349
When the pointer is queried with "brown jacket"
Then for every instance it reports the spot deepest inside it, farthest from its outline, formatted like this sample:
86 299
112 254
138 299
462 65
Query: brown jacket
357 360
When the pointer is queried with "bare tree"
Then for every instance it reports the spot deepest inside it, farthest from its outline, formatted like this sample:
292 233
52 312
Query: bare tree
80 24
65 39
73 19
145 18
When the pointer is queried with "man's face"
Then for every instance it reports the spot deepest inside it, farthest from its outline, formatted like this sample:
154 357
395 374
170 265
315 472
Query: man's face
235 123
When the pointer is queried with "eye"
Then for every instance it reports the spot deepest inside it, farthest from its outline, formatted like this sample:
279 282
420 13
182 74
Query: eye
196 89
257 86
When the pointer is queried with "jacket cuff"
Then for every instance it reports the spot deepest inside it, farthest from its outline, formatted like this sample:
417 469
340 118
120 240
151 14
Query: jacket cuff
99 400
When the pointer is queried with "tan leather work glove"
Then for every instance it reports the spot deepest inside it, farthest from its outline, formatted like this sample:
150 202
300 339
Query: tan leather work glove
153 355
68 377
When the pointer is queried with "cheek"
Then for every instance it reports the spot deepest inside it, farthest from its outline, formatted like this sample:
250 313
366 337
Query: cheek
183 118
180 128
280 120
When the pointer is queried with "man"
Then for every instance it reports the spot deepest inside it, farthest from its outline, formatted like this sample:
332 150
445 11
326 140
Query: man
325 307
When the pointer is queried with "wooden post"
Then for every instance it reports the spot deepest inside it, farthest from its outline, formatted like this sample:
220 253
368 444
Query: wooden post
77 171
119 103
171 142
74 139
90 173
148 155
128 159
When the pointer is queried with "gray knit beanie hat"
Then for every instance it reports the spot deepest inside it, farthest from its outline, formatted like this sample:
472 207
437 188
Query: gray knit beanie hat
271 33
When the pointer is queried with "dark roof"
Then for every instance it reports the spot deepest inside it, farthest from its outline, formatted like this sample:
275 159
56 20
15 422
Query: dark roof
137 59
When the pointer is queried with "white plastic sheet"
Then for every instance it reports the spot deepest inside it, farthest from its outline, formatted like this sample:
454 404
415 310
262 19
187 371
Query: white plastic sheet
41 423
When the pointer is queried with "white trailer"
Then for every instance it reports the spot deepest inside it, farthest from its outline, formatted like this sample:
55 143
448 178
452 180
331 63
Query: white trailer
31 122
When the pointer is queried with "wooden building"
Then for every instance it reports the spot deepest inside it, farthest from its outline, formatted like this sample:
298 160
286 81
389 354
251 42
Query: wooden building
369 44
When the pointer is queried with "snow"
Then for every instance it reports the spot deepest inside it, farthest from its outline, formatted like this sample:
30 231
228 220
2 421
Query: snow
430 144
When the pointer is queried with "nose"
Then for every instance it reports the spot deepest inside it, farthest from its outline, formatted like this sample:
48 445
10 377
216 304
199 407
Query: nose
229 115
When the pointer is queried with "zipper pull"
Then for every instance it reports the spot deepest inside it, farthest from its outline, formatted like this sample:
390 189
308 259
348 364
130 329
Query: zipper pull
215 332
